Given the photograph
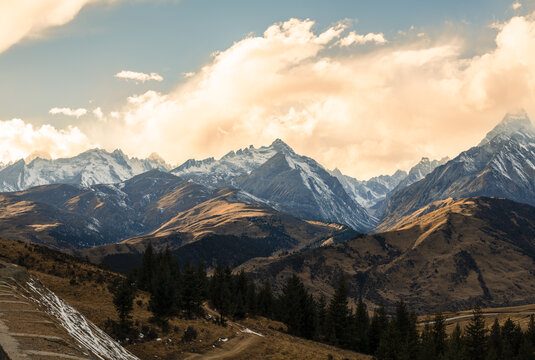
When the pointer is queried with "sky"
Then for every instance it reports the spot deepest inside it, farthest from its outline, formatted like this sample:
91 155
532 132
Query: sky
368 87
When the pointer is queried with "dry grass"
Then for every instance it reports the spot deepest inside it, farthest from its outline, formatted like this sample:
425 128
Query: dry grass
87 288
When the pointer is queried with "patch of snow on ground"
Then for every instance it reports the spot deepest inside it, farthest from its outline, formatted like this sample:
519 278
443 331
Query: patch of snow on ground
87 334
249 331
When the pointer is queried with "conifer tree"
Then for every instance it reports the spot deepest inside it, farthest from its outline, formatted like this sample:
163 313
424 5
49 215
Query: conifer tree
455 348
163 300
265 300
291 305
123 299
251 303
378 326
413 338
239 311
391 346
512 339
530 332
428 346
203 280
147 269
216 287
475 336
495 343
402 319
439 335
527 350
322 318
339 315
191 292
309 325
362 327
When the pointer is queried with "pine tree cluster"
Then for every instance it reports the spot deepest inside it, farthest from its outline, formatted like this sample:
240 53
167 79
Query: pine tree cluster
173 291
176 291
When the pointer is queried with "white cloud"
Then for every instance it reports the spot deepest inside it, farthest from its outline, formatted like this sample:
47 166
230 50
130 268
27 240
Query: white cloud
22 18
68 111
98 113
138 76
19 139
516 5
345 110
188 74
355 39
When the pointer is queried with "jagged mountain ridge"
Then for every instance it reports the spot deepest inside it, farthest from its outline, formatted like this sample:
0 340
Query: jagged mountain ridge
374 193
369 192
223 172
284 180
91 167
502 165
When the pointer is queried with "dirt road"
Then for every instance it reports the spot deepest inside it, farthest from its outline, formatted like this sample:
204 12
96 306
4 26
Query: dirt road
229 350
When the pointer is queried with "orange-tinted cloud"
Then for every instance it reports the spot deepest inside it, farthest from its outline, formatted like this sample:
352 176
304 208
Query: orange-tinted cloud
22 18
366 114
19 139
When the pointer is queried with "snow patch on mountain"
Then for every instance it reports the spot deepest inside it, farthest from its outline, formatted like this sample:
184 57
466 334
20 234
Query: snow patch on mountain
502 165
369 192
88 168
222 172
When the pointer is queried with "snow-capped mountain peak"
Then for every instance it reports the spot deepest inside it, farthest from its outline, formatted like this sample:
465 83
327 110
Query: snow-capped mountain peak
95 166
502 165
515 124
223 172
280 146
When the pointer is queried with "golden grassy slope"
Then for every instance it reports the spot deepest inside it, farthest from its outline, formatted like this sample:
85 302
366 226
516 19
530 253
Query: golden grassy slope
87 288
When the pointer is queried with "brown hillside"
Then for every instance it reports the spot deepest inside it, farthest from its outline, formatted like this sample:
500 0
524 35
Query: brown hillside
447 257
87 288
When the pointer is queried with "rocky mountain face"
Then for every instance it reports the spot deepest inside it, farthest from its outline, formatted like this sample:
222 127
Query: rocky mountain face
502 165
223 172
374 193
419 171
88 168
446 257
283 180
369 192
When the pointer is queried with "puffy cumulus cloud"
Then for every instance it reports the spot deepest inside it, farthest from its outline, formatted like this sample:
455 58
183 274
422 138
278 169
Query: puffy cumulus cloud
19 140
365 113
138 76
356 39
22 18
68 111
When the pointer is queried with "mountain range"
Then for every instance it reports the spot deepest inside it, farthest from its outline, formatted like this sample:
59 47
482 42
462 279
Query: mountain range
275 176
88 168
459 229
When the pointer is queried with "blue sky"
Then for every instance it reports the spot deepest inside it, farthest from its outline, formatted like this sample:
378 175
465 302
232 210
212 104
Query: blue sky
73 65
